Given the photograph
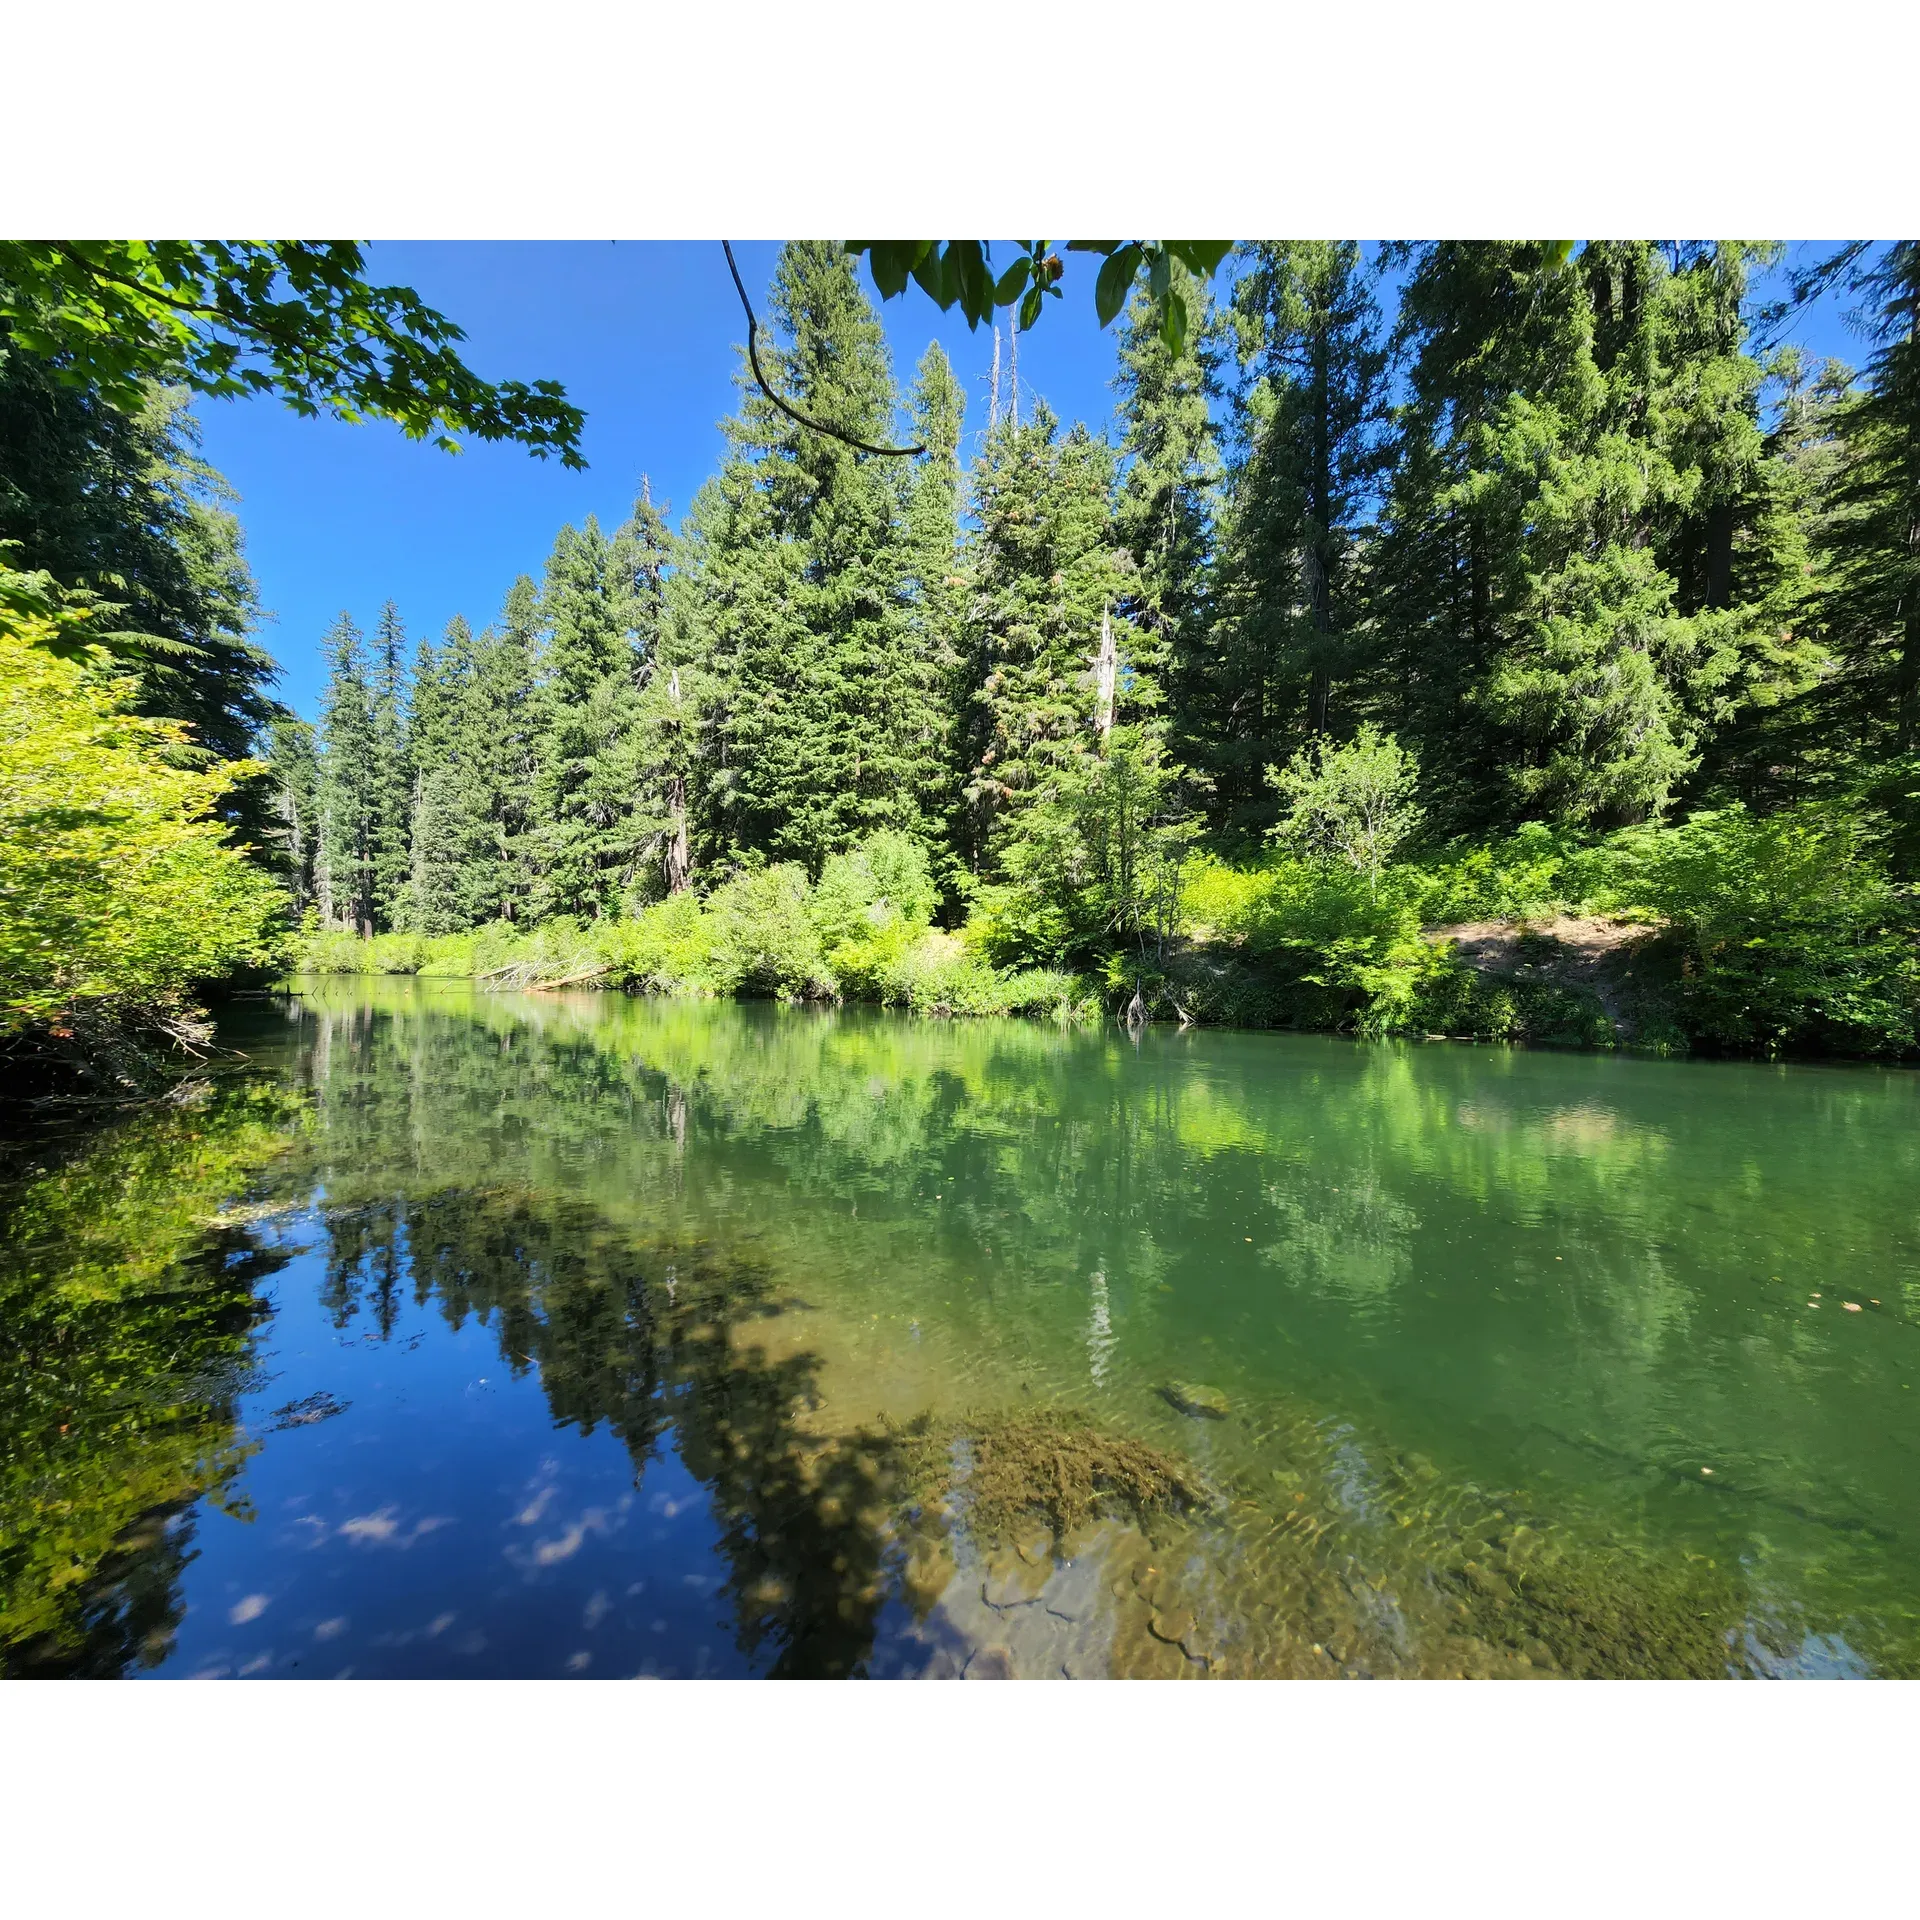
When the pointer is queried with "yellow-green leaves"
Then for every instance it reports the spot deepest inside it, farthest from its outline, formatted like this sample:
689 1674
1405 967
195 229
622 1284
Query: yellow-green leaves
115 881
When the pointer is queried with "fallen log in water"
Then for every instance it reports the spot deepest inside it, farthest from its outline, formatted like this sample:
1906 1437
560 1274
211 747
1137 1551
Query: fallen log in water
527 976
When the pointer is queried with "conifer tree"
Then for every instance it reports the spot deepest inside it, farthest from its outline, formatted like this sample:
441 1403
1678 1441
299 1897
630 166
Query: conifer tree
345 884
658 761
498 738
801 558
452 865
1169 505
935 587
1780 741
1047 574
1872 571
392 793
1309 411
1572 608
292 755
686 704
582 798
638 561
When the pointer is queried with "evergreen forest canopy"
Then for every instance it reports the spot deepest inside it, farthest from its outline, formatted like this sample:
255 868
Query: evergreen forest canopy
1466 582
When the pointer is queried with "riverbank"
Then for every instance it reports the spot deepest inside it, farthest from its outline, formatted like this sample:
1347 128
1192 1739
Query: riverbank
1572 981
1730 934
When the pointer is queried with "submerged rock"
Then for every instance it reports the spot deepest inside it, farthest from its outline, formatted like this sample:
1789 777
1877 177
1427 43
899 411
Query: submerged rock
1198 1402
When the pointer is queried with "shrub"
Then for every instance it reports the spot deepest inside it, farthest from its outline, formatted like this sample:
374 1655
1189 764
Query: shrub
1536 870
764 939
886 879
1786 929
1352 803
1340 945
668 948
118 887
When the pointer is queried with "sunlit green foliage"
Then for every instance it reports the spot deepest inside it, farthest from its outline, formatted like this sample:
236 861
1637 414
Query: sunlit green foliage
862 933
118 887
1353 803
1788 930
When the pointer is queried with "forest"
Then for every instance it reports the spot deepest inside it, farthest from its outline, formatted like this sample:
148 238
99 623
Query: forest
1498 640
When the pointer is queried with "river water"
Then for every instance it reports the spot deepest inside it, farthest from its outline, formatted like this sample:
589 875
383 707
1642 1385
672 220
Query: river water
576 1334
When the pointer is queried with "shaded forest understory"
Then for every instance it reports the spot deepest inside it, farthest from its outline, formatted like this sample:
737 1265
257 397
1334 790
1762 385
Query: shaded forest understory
1455 588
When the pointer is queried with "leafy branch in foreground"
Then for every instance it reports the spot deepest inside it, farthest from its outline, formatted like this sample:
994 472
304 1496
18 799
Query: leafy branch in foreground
294 317
958 273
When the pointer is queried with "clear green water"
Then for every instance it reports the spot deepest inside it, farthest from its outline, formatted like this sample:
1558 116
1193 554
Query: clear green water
582 1334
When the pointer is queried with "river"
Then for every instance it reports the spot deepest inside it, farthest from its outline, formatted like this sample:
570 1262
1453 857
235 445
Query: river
579 1334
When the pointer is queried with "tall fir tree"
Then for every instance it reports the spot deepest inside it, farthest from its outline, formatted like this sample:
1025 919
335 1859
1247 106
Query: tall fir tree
1169 505
392 796
1046 575
582 800
1872 560
1310 412
452 853
801 558
935 588
1584 578
346 874
658 759
293 756
499 734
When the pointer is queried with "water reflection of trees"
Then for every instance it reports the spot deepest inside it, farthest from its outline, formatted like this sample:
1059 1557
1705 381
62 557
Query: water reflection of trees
1396 1203
127 1321
653 1342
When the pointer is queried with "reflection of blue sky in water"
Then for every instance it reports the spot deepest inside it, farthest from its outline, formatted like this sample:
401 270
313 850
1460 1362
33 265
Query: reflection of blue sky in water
442 1525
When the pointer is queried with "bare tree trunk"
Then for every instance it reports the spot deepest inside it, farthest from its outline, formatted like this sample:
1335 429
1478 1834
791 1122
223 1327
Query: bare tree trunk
1106 668
1720 554
323 876
1906 696
1318 554
1320 680
679 853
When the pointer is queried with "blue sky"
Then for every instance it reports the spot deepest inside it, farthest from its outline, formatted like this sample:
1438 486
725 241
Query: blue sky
642 335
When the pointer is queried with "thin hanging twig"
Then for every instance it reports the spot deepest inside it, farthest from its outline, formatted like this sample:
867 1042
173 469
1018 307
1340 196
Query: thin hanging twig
793 413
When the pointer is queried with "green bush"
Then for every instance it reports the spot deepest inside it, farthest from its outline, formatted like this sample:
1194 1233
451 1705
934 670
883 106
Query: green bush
1786 931
1528 874
668 948
1340 946
945 973
119 890
886 880
764 937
